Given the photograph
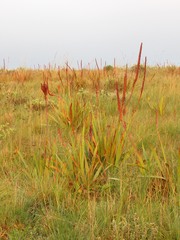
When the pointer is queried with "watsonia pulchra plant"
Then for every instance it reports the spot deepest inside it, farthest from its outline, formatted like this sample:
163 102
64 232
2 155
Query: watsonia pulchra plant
97 146
122 103
46 92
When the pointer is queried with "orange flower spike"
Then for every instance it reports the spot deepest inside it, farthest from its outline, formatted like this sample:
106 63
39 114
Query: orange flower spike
44 88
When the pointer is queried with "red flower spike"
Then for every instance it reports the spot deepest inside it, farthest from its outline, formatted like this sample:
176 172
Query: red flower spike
45 89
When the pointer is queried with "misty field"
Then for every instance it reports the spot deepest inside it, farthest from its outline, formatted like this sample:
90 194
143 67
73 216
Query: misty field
90 153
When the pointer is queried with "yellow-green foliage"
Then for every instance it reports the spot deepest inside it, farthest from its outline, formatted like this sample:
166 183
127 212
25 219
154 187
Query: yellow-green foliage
77 161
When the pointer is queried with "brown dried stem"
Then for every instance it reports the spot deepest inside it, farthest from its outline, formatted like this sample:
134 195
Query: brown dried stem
137 72
144 78
120 110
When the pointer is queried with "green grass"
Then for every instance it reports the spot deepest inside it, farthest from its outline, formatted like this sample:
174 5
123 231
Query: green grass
71 169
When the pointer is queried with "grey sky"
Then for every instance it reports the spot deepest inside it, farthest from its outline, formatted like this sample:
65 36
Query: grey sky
41 31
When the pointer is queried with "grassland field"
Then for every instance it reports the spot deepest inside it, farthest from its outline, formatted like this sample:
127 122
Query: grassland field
90 154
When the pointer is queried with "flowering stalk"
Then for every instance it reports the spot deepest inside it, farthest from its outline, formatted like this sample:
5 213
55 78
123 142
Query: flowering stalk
45 90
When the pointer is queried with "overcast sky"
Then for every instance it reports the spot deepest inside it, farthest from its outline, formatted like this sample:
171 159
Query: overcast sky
55 31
